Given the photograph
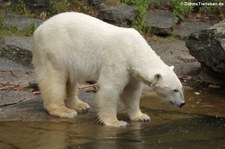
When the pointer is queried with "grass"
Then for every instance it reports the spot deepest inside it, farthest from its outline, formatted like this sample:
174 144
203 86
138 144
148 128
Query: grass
13 30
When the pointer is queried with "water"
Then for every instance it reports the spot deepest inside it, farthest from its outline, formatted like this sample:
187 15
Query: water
201 124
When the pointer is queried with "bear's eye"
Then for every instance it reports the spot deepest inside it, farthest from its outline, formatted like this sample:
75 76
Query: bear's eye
175 90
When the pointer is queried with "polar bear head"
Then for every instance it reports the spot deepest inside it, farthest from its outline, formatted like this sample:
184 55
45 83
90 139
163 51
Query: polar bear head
168 86
164 81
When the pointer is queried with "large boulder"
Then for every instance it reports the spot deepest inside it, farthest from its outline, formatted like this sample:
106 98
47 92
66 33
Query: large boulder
208 47
17 49
20 22
187 27
160 22
120 15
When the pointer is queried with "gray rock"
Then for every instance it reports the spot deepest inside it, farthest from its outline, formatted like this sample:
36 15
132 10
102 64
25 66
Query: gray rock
177 54
20 22
220 27
16 48
160 23
120 15
208 47
184 29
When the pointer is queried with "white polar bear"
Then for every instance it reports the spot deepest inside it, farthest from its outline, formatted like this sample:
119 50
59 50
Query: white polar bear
73 47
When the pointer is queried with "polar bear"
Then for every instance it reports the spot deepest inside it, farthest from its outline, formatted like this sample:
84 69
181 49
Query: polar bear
72 47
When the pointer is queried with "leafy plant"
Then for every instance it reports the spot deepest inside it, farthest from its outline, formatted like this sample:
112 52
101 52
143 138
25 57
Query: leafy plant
142 7
20 8
57 6
179 9
214 10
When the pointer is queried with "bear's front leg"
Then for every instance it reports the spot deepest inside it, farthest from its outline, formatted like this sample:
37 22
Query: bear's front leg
73 101
131 99
107 99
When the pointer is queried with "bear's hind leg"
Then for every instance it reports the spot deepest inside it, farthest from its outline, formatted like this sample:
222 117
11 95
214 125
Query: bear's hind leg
131 99
73 101
53 89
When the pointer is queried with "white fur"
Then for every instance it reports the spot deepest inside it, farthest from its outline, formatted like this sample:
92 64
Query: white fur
73 47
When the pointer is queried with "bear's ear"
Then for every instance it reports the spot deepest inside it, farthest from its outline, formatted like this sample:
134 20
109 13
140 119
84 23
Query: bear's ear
172 67
157 77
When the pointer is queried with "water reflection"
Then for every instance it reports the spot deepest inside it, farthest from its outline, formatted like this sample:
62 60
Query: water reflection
198 127
204 132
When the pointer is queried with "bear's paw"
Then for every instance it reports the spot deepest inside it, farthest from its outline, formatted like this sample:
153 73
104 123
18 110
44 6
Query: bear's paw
63 112
79 106
141 117
116 123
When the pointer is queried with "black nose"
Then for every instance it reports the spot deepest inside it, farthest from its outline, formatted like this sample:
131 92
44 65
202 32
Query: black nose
182 104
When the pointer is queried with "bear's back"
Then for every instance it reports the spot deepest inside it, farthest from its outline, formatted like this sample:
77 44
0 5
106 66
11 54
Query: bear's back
70 22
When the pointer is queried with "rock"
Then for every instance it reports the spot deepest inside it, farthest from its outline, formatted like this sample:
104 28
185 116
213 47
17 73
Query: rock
220 27
12 76
120 15
208 47
20 22
160 23
177 54
184 29
16 48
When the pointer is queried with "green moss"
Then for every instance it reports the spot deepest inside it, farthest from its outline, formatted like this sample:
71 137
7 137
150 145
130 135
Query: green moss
13 30
28 30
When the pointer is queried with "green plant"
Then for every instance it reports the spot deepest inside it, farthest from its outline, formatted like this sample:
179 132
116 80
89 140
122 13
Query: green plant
57 6
142 7
20 8
81 6
9 30
218 10
179 9
13 30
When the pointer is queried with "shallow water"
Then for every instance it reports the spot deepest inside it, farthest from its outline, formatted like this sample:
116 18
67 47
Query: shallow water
200 124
